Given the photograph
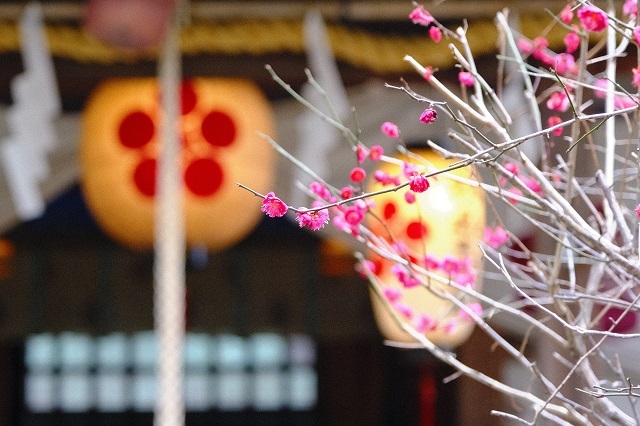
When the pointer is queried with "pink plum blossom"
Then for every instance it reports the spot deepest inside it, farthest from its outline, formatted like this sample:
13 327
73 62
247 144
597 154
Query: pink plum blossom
407 280
630 7
525 46
601 91
320 190
637 210
532 184
512 168
354 215
390 129
273 206
564 63
428 73
623 102
361 153
376 152
450 265
409 169
392 294
474 307
431 262
558 101
403 309
385 179
410 197
420 16
593 18
366 266
467 278
450 327
346 192
424 322
495 237
513 195
567 14
636 76
313 219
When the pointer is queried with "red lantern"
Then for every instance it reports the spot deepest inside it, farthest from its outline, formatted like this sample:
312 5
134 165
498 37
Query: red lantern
132 24
220 122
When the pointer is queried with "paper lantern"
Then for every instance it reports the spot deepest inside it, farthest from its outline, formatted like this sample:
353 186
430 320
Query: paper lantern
445 222
220 122
132 24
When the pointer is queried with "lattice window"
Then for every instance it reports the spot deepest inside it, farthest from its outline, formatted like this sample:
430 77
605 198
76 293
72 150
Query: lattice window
73 372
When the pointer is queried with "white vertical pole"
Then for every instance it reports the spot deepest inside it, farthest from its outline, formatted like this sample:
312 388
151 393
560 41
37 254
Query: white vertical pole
169 266
610 125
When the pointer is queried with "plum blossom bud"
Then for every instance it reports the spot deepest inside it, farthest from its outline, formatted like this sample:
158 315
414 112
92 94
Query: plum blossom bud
435 34
429 115
418 183
361 153
466 78
554 120
567 14
512 168
357 174
428 72
410 197
571 42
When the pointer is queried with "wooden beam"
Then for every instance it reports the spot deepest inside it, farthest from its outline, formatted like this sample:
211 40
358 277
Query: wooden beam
356 10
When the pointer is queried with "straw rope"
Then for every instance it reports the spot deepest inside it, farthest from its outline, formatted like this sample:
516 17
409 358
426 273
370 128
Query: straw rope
378 53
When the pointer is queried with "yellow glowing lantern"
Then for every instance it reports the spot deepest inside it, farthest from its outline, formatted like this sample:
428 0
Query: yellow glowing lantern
220 122
445 222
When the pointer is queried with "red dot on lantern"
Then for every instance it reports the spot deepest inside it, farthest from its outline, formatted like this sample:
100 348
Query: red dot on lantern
625 325
144 177
416 230
203 177
187 96
136 129
389 210
218 129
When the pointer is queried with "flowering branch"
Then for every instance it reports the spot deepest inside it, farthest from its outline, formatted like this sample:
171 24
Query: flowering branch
573 290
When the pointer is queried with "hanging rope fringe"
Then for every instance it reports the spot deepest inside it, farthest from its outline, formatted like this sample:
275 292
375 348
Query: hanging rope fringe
379 53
